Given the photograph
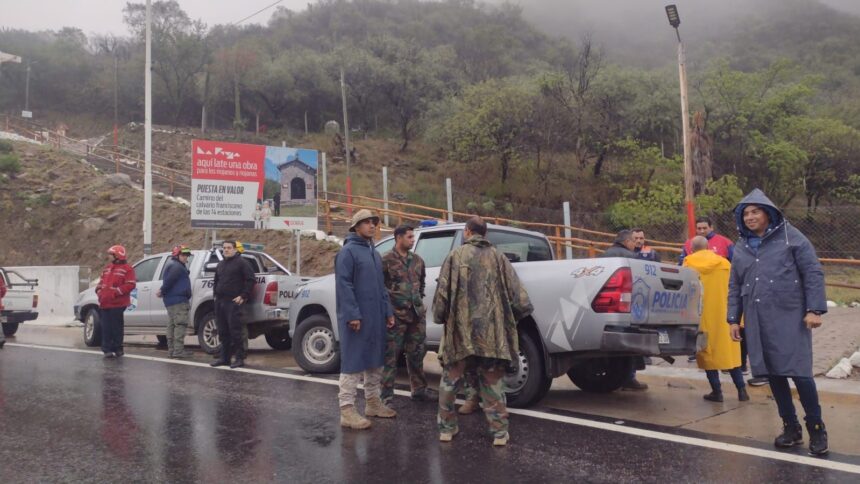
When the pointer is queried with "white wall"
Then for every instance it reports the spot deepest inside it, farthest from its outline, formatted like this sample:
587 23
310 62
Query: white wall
57 290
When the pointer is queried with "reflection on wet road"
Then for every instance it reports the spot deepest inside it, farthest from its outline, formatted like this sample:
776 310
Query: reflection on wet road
73 416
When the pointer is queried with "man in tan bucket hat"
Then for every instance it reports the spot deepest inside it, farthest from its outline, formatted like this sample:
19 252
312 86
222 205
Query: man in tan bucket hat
363 315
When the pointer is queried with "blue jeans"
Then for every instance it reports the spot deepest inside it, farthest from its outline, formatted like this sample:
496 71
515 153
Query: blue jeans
113 328
807 392
714 379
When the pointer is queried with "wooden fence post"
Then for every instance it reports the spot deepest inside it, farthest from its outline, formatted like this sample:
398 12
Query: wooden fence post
327 217
557 241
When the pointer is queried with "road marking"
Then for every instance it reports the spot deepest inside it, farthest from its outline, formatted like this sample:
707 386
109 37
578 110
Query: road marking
611 427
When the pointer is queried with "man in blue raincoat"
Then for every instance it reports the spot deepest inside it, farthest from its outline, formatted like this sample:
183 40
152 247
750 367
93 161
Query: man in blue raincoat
777 286
363 315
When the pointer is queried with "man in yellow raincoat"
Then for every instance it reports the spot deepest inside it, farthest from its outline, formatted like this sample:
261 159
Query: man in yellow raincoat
721 353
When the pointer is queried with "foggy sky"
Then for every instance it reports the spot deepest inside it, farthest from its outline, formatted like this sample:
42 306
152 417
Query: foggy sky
105 16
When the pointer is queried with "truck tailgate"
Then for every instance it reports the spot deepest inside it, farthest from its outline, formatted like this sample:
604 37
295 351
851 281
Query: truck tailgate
664 295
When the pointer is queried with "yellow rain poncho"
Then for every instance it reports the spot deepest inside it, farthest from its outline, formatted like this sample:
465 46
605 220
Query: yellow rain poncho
721 353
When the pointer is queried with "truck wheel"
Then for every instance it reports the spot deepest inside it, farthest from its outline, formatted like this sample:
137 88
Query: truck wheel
601 375
162 341
318 351
9 329
92 328
207 334
526 382
279 339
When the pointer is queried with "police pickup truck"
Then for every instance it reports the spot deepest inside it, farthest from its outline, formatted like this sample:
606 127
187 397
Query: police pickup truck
19 304
593 319
265 313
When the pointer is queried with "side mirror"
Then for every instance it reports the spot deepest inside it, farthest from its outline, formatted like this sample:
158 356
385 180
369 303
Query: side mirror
210 267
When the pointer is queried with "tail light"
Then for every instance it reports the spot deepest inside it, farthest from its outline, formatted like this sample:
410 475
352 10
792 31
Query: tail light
35 300
615 295
271 297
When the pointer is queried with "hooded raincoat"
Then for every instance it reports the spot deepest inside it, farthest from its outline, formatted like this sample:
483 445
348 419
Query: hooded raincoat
721 353
775 280
360 294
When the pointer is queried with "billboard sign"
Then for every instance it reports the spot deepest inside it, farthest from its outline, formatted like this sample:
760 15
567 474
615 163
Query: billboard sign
237 185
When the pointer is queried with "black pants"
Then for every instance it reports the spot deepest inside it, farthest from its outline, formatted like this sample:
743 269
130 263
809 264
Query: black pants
228 320
807 392
113 327
743 349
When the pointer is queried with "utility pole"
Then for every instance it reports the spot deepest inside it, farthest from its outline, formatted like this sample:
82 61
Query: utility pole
675 21
115 100
27 88
147 140
346 142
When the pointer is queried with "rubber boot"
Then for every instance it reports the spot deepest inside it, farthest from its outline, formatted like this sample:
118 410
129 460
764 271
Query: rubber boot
817 438
375 408
469 407
350 418
792 434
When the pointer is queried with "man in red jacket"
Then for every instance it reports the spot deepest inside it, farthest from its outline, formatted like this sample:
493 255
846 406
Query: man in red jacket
114 291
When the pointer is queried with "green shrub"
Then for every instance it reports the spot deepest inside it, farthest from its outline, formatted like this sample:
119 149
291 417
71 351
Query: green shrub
5 146
9 164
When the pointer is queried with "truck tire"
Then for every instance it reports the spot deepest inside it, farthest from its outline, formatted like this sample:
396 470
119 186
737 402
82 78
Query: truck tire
318 351
9 329
207 334
279 339
526 382
601 375
92 328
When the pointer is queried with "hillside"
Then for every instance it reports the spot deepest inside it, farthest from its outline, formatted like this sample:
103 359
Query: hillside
59 210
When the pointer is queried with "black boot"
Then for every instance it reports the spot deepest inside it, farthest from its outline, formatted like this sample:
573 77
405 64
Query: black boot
220 362
238 363
714 396
817 438
792 434
743 396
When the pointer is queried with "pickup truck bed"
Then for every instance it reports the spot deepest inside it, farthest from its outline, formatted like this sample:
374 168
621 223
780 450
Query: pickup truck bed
19 303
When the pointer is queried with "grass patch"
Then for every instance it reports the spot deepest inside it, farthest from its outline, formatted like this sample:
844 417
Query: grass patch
842 275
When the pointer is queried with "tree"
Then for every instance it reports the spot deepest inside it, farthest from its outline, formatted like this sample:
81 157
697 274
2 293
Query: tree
179 48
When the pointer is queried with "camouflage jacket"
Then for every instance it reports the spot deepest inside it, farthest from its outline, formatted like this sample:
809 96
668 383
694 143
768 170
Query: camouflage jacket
404 279
479 299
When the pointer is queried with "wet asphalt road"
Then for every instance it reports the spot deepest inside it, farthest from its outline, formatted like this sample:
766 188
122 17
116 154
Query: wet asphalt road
75 417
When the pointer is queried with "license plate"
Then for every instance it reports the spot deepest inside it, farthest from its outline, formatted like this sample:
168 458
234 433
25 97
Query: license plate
662 337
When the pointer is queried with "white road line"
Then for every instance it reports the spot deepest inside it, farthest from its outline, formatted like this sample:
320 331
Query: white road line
611 427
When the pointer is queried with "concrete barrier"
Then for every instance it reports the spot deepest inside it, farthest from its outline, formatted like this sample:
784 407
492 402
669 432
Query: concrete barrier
58 288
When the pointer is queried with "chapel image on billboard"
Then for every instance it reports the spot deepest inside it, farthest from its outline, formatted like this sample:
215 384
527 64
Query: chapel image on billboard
290 190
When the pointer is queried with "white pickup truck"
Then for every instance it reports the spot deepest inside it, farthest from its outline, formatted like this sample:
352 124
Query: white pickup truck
593 319
266 312
20 302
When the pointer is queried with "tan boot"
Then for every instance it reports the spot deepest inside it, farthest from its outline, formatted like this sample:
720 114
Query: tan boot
469 407
502 441
447 436
350 418
375 408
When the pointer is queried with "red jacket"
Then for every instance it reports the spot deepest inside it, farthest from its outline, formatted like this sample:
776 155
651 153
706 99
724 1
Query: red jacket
716 242
2 291
115 286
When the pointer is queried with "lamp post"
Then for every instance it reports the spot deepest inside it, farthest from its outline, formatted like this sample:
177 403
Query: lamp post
675 21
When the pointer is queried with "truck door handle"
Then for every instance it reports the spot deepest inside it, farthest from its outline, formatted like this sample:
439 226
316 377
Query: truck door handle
144 288
671 284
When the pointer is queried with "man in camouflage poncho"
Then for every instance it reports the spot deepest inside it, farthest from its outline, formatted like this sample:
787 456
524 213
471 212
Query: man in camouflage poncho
404 278
479 299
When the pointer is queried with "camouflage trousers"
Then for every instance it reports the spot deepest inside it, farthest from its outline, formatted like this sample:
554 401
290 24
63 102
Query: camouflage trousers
489 373
177 326
409 338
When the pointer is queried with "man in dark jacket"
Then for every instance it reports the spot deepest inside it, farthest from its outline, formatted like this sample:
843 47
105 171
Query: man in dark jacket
777 286
234 283
623 247
114 292
363 314
2 295
643 250
176 292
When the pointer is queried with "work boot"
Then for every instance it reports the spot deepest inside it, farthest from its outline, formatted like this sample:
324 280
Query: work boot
792 434
817 438
219 362
375 408
182 355
447 436
350 418
469 407
634 385
502 441
714 396
424 395
238 363
743 396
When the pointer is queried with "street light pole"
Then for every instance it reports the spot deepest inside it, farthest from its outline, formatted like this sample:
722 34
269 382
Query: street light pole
675 21
147 139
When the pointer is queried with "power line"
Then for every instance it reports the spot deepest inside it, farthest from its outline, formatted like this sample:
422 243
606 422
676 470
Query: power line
255 13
